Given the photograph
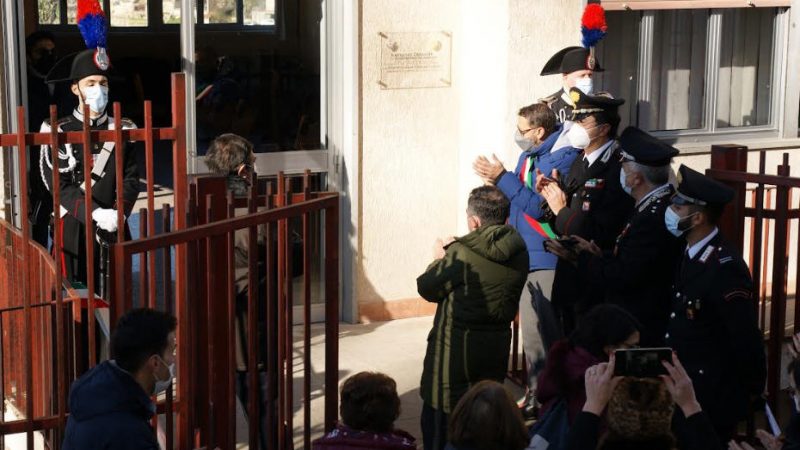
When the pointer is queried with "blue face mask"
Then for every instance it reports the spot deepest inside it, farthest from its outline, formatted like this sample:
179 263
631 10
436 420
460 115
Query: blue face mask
96 97
623 178
675 223
585 85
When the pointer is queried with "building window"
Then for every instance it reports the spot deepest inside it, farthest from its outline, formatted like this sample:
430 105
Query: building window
695 71
225 14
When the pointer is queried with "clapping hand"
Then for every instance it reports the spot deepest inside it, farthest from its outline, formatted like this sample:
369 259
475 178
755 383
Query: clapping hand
555 247
554 196
542 180
586 246
489 171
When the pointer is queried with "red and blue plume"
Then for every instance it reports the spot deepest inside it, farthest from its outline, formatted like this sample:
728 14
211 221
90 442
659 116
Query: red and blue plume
92 23
593 25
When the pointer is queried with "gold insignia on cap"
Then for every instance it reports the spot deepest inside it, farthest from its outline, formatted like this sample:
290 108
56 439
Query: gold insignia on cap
575 96
590 62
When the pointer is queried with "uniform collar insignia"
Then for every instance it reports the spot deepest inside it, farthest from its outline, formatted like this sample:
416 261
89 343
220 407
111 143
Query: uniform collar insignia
92 122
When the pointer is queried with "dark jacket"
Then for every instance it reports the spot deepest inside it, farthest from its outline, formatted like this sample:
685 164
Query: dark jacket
477 287
104 191
714 328
638 273
345 438
529 212
585 431
109 410
563 377
597 209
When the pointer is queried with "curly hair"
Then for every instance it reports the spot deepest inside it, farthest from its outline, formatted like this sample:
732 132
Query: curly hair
370 402
227 153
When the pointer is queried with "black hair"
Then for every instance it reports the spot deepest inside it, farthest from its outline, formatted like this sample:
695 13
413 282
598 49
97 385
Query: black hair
370 402
603 325
37 36
489 204
539 115
140 334
611 118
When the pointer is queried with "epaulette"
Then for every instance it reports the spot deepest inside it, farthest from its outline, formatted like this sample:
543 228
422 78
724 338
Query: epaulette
128 124
45 127
549 100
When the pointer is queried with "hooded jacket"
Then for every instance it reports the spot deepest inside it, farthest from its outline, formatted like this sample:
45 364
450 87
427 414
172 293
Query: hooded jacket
109 410
529 211
477 286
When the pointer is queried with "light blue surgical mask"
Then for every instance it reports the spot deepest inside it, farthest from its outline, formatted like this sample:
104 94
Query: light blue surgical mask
676 224
96 97
623 178
585 85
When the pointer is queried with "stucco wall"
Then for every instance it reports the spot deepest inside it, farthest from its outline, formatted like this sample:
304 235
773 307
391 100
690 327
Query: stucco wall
419 144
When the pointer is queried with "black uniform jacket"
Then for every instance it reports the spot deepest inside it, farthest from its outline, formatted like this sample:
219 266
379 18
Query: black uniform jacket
597 209
560 103
104 192
638 273
713 327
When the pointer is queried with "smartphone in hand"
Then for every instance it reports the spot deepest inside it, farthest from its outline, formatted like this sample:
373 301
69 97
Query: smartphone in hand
642 362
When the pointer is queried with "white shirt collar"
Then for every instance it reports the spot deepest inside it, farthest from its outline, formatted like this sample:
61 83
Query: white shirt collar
695 249
595 155
93 122
650 194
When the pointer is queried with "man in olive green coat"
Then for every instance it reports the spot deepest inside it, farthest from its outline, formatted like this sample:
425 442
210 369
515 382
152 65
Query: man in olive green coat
476 281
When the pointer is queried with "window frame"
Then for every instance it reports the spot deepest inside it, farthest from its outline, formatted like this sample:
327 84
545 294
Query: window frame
155 20
710 131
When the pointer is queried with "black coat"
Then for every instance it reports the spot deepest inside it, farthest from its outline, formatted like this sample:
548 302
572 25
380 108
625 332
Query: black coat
713 327
597 209
559 105
104 191
638 273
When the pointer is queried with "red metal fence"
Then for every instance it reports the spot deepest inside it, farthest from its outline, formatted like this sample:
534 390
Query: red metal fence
765 201
49 331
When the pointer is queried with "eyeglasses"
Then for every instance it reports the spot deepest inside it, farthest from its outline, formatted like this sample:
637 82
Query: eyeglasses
524 132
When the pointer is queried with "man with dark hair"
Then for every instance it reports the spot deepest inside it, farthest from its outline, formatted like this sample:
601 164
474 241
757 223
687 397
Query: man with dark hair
110 406
589 202
537 133
714 320
476 281
638 273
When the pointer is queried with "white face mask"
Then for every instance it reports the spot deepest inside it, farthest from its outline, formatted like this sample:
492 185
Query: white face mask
585 85
623 179
96 97
578 137
163 385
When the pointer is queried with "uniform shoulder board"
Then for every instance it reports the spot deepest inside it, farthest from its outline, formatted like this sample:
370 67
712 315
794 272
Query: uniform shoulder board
127 124
46 126
549 100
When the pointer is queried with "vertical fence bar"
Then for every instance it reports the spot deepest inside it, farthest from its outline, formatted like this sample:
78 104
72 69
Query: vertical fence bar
61 348
88 234
331 315
119 159
26 295
272 416
778 313
757 229
168 307
253 344
231 338
289 305
151 203
306 317
180 189
282 331
210 284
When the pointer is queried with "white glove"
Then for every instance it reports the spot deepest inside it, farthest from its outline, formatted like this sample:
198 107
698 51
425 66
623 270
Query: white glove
106 219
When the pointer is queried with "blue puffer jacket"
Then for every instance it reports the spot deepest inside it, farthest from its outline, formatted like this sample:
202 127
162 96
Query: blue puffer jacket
108 409
527 206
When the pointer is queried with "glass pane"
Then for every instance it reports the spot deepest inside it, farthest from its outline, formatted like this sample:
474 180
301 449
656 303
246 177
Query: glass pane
259 12
745 73
618 55
171 11
219 11
128 13
678 71
49 12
